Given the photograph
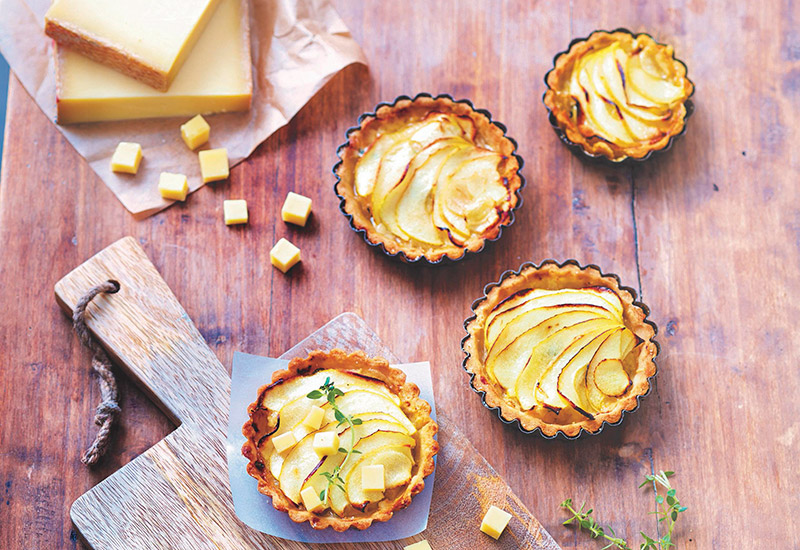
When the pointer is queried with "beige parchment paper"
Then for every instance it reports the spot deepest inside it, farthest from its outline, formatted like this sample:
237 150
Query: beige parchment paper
297 46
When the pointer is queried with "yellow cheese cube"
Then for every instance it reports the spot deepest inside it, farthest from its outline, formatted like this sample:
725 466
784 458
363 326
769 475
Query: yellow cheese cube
283 442
311 500
126 158
173 186
195 132
284 255
421 545
495 521
314 418
214 164
326 443
296 209
372 478
235 211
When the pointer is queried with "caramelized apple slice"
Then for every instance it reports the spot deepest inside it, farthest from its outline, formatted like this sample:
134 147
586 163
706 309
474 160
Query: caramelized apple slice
572 380
356 401
546 352
338 497
397 464
278 394
415 207
367 167
388 214
517 305
658 90
610 377
365 429
506 363
547 389
601 112
616 346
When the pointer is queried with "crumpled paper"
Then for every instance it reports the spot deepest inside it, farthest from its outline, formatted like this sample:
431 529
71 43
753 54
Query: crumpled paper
297 46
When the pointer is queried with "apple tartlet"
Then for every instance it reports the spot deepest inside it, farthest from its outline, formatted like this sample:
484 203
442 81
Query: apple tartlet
560 348
340 440
428 178
618 95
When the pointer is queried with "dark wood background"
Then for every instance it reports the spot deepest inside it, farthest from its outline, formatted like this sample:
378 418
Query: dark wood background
709 233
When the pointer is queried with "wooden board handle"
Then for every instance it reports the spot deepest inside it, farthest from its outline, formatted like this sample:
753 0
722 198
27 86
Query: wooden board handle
148 333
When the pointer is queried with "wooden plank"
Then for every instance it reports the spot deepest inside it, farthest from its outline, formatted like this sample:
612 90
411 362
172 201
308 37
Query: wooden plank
718 268
176 495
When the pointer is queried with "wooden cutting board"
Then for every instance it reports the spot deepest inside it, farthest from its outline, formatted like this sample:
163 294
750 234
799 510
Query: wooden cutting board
176 494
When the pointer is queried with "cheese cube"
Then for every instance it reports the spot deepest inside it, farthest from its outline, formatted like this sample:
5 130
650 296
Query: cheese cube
311 500
495 521
326 443
284 255
421 545
214 164
235 211
372 478
283 442
195 132
126 158
296 209
173 186
314 418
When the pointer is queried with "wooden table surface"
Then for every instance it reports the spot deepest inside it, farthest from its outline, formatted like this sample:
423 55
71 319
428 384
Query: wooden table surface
709 233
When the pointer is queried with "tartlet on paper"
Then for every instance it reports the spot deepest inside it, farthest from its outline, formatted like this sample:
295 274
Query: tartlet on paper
560 348
428 178
395 427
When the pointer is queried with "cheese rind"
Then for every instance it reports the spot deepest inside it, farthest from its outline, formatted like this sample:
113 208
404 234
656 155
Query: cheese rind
284 255
235 211
296 209
195 132
421 545
148 40
173 186
495 522
126 158
214 165
215 78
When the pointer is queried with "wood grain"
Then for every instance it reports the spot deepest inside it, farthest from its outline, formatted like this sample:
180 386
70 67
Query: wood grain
712 234
176 494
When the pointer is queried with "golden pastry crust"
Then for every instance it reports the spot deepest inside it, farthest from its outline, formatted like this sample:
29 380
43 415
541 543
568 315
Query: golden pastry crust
490 135
416 409
553 276
561 106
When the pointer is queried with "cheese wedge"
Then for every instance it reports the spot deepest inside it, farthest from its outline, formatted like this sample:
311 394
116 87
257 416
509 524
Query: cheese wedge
215 78
148 40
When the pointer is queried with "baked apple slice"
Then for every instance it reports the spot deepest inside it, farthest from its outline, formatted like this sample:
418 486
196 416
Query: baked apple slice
506 364
519 303
618 345
337 496
543 355
276 395
547 388
572 380
397 463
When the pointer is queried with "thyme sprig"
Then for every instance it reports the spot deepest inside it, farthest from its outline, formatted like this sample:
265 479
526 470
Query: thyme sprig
668 509
331 392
